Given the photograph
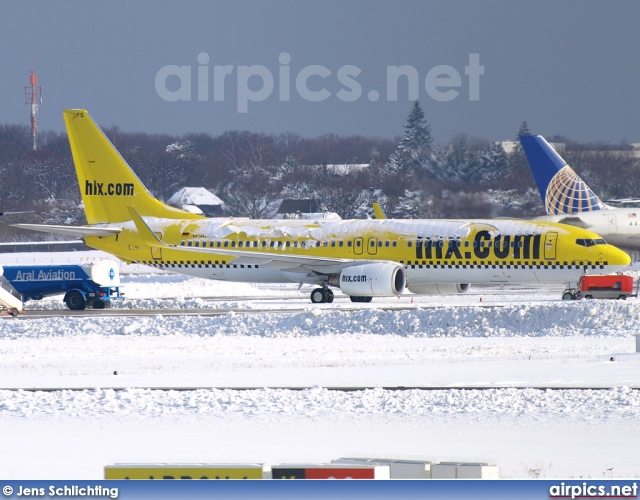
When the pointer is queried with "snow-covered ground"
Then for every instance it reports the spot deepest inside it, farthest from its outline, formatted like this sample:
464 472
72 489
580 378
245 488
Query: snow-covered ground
513 343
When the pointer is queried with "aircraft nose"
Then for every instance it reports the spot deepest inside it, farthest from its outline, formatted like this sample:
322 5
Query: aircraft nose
618 257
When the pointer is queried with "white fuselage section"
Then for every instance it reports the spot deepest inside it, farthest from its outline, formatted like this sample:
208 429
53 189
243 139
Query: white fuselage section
619 226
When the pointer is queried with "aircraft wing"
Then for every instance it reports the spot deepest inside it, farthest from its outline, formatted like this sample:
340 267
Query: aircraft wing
633 201
292 263
75 231
574 221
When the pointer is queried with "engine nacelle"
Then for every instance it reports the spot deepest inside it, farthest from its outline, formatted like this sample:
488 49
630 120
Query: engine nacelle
439 288
372 280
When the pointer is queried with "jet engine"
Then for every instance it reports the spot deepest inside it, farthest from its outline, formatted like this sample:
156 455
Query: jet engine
371 280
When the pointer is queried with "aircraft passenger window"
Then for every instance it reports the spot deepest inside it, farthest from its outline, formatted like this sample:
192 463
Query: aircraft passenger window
264 243
386 243
394 243
226 244
340 243
240 243
349 244
233 244
333 243
380 243
358 243
190 243
410 244
182 243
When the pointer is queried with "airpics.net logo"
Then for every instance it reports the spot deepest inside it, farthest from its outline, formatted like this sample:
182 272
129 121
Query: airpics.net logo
257 83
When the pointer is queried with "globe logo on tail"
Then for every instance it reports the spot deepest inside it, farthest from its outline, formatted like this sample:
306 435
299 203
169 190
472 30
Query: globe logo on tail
567 193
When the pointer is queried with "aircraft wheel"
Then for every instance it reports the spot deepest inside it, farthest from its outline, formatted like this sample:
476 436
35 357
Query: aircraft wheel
318 296
329 296
567 296
75 301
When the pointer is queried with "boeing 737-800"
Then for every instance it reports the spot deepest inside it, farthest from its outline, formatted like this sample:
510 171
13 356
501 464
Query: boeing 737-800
363 258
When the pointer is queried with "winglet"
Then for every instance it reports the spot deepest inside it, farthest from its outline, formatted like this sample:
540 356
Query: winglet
145 232
377 210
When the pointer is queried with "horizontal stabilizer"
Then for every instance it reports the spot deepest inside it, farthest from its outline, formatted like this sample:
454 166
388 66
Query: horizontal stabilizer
75 231
145 231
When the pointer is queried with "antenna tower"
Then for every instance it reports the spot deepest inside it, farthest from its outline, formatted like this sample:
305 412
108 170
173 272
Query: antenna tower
33 96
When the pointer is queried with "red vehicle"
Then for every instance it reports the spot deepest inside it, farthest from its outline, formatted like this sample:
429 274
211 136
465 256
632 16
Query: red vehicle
614 286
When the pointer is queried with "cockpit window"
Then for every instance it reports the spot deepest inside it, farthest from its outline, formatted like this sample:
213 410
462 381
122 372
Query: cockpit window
587 242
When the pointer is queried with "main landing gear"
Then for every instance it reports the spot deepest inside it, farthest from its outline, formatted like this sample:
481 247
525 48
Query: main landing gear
320 295
324 295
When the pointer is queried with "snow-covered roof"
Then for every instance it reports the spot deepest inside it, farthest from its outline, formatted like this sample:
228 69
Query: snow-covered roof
194 196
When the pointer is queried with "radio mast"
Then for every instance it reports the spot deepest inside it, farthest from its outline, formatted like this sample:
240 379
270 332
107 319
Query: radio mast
33 96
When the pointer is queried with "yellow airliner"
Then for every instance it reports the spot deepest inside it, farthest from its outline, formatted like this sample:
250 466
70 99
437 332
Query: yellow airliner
363 258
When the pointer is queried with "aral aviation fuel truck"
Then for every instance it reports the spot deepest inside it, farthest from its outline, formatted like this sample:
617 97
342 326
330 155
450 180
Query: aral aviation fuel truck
90 285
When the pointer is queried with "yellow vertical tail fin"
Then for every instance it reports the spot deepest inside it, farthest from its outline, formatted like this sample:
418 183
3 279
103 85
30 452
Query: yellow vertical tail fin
107 184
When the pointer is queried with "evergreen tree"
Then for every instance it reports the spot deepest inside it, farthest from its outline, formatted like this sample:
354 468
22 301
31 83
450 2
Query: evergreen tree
289 166
518 164
394 164
523 130
493 163
415 146
459 163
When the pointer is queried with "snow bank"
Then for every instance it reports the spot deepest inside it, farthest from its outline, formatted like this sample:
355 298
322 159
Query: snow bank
541 405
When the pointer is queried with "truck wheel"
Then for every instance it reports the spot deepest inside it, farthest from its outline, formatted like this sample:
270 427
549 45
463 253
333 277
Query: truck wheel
588 297
567 296
99 304
75 301
622 297
14 312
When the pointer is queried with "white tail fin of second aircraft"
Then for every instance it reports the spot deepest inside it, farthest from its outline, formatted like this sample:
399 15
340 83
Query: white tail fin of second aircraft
561 189
107 184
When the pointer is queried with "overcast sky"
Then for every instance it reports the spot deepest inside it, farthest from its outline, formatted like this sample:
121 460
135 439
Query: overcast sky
570 68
